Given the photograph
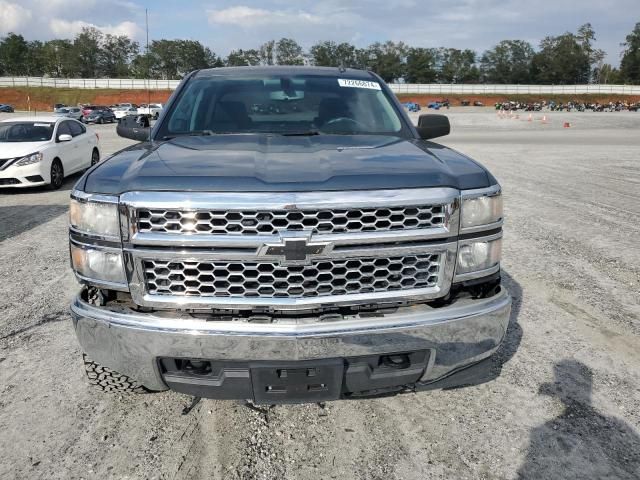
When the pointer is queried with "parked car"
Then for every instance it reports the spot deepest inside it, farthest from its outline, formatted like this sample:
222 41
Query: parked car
57 106
411 106
44 150
99 115
434 105
121 112
69 112
87 109
4 108
153 110
478 103
287 258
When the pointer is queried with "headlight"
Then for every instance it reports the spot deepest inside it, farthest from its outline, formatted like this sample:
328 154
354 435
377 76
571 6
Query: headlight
475 256
100 265
29 159
482 210
95 218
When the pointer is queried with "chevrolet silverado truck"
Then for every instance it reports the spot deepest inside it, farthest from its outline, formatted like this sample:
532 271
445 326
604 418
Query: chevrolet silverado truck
327 250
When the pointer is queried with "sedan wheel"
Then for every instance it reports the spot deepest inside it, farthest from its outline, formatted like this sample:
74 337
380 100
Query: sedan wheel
100 120
95 157
57 175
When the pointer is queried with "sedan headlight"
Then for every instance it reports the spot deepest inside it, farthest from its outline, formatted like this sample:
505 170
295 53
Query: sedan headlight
29 159
481 210
478 255
95 218
98 265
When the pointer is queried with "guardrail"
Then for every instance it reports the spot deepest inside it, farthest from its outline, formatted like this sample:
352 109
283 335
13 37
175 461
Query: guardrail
401 88
90 83
481 89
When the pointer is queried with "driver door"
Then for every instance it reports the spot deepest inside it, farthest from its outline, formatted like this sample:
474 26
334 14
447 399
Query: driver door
68 152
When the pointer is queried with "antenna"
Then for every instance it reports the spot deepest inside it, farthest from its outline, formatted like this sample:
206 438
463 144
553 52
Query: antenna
146 20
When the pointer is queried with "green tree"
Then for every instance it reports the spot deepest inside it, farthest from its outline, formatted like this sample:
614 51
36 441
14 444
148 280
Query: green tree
421 66
87 52
332 54
561 60
508 62
606 74
116 54
268 53
387 59
13 51
630 63
457 66
57 57
289 52
243 58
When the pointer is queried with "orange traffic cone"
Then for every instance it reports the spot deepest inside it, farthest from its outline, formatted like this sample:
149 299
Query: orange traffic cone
544 119
530 119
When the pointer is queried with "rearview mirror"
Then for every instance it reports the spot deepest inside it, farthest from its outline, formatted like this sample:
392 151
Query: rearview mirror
65 137
433 126
134 128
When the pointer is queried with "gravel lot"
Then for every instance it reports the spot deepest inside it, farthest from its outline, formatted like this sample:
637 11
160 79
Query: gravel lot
564 403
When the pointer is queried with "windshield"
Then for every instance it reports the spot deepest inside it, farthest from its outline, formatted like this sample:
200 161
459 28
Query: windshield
25 131
62 110
292 104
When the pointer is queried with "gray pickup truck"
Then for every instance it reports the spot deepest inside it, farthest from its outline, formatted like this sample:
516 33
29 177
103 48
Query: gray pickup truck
283 235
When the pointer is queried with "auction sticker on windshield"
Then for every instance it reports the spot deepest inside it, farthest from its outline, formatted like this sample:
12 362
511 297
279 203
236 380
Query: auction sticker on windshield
344 82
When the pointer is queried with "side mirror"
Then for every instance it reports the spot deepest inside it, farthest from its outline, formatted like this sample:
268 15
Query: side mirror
433 126
129 127
65 137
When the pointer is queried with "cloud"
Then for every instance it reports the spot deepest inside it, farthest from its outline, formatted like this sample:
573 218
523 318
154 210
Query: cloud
69 29
243 16
13 17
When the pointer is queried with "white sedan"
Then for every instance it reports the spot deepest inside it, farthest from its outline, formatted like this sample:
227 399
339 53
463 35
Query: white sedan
43 150
121 112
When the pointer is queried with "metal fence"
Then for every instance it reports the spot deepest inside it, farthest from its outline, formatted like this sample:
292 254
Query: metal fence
401 88
89 83
460 89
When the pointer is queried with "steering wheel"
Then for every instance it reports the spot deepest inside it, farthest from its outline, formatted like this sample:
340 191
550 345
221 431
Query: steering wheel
355 123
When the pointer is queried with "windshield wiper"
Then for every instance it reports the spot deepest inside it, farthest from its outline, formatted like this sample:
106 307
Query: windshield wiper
304 133
200 133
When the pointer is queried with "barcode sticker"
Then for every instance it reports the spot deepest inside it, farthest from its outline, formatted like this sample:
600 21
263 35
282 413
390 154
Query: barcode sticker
345 82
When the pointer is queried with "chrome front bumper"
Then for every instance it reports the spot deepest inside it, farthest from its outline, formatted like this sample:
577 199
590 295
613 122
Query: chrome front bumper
456 336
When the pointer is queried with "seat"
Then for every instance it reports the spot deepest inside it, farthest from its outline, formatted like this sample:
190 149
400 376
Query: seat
230 116
330 109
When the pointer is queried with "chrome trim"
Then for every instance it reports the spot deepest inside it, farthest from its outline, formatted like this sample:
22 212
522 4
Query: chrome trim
94 236
130 342
289 200
135 272
491 191
93 197
86 246
92 282
482 228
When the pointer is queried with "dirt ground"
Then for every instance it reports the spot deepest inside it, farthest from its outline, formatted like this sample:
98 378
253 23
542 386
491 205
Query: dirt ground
564 403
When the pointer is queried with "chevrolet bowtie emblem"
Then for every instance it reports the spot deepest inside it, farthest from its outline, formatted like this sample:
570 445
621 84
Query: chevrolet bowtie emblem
295 248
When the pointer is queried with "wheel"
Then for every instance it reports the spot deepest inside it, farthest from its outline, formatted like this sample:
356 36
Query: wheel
156 116
57 175
95 157
109 381
101 120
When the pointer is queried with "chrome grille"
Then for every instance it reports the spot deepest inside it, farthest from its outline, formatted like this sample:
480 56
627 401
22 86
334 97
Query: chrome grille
257 222
268 280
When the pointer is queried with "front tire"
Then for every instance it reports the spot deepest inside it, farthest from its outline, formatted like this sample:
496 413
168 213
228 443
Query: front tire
101 120
56 175
95 157
107 380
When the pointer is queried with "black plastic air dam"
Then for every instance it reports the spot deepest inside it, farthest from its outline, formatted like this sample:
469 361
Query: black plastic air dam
293 382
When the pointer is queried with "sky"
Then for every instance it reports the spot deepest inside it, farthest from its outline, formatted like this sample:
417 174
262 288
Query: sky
227 25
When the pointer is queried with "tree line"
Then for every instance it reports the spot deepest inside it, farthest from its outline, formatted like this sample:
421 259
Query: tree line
570 58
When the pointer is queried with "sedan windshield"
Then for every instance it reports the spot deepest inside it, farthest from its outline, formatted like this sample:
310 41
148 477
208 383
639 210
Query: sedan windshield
25 131
281 104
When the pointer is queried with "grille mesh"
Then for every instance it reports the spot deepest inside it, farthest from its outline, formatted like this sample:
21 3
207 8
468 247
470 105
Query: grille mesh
269 280
256 222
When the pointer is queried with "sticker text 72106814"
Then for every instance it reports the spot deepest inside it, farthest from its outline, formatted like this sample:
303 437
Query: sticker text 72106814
345 82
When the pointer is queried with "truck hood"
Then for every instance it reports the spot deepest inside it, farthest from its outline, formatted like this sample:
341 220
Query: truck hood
20 149
260 162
